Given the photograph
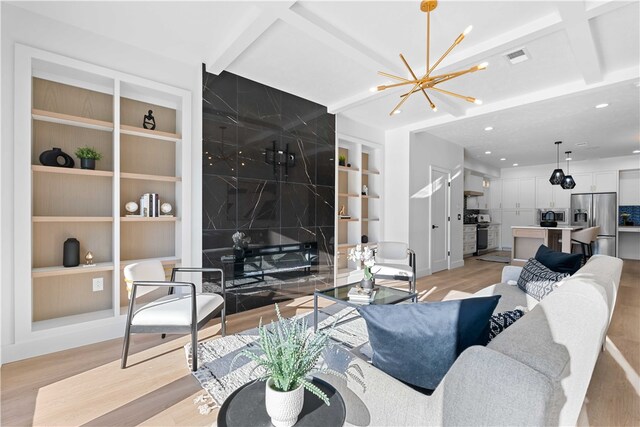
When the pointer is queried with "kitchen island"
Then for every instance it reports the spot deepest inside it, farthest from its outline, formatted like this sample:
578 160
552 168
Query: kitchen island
527 240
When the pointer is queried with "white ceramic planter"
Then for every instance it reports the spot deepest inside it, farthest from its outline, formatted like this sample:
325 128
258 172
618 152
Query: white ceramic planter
283 406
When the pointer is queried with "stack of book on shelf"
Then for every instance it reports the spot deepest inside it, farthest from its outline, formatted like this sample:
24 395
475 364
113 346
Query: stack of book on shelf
361 296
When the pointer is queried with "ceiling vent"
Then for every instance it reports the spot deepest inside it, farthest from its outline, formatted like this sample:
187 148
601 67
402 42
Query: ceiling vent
517 56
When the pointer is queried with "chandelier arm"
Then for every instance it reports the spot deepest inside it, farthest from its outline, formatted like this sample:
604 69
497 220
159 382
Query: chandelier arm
403 100
455 43
457 95
406 64
382 73
428 37
383 87
446 77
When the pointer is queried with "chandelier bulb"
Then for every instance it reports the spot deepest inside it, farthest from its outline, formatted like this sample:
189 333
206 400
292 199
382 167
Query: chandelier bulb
477 102
467 30
483 66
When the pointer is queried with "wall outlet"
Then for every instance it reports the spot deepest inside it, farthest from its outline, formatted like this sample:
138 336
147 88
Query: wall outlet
98 284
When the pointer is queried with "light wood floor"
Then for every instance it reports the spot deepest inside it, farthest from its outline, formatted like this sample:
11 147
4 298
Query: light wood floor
86 386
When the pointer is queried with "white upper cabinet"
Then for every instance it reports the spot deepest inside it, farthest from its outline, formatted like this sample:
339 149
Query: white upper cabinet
629 188
495 194
551 196
583 182
518 193
598 182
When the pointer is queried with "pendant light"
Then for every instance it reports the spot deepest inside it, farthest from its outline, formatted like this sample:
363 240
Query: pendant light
557 175
568 183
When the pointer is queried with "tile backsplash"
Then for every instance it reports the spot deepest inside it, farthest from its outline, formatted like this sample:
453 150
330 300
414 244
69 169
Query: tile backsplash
633 211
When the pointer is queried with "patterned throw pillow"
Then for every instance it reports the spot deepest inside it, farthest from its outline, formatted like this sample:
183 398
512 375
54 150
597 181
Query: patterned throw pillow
537 280
501 321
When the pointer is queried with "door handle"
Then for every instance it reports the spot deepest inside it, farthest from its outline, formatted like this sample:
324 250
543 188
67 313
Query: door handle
434 227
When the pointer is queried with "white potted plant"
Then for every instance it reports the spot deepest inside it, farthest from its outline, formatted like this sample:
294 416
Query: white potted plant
288 352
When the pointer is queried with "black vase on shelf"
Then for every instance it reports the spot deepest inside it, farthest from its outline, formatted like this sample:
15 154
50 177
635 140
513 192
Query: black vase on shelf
56 157
71 252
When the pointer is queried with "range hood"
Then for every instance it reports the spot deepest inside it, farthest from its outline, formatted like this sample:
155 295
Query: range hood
473 185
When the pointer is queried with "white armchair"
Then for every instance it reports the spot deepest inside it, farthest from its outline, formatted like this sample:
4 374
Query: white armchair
394 260
178 313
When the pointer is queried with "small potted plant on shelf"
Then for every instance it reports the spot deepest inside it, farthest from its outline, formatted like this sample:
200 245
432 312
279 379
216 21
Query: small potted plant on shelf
88 157
287 354
342 160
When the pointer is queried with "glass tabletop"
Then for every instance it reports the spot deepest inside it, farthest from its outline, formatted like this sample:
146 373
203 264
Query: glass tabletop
384 294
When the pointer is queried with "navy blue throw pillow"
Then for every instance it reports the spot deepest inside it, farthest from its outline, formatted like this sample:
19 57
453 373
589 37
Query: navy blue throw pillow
418 343
560 262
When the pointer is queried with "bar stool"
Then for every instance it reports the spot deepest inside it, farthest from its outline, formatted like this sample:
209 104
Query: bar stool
585 238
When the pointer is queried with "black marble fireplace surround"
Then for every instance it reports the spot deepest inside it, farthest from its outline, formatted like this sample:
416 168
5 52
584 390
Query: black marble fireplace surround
243 192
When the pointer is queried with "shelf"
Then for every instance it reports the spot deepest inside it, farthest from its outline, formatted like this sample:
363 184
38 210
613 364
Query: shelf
144 177
346 169
346 245
348 195
163 260
71 320
148 219
347 220
370 172
370 197
370 219
66 119
147 133
64 271
70 171
72 219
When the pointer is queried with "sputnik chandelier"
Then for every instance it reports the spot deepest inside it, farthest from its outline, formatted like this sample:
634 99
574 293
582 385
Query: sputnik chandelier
429 81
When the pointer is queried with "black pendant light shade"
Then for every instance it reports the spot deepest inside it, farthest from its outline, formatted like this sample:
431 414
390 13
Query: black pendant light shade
557 176
568 182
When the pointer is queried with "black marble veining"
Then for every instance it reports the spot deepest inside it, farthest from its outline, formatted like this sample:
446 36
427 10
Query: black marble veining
242 192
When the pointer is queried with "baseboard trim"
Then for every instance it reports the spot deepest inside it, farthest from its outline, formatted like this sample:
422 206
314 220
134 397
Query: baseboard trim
457 264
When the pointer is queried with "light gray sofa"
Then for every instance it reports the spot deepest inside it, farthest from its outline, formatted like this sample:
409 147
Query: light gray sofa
535 373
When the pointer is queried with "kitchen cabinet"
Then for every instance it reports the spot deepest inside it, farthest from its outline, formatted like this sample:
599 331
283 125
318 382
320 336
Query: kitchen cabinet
551 196
514 217
495 194
518 193
493 237
469 236
629 194
597 182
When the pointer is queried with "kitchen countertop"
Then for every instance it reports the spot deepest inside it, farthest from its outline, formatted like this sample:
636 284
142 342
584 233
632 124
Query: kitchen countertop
629 228
537 227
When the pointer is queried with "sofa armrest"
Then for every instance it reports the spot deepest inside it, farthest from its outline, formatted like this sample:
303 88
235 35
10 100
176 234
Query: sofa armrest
510 272
485 387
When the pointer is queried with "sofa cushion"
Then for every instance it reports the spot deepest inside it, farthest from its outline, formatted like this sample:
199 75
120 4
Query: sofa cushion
501 321
537 280
560 262
512 296
418 343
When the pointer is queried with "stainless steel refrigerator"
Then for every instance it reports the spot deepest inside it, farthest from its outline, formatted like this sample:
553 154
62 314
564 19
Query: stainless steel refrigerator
597 209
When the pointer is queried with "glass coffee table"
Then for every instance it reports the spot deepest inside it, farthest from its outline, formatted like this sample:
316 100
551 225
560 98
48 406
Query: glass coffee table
339 294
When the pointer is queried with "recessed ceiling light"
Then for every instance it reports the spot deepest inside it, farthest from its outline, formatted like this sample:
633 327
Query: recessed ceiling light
636 151
487 152
602 105
503 159
488 128
515 164
580 144
397 112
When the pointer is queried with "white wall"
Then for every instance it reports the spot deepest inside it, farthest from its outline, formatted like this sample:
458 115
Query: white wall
427 151
19 26
396 186
482 169
349 127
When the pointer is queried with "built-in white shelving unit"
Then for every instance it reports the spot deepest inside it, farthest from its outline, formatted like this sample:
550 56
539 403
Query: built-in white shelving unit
64 103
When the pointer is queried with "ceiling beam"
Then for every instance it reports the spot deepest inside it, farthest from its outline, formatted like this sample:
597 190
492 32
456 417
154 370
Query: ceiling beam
254 23
626 76
581 40
325 32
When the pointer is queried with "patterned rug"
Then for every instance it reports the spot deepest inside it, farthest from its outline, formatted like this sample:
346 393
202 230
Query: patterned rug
219 377
495 258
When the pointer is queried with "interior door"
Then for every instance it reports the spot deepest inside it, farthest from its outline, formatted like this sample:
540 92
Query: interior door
439 239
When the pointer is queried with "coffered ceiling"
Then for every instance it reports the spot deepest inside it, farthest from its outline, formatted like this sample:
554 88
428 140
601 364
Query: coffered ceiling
580 54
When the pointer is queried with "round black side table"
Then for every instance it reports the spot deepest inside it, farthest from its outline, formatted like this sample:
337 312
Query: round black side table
245 407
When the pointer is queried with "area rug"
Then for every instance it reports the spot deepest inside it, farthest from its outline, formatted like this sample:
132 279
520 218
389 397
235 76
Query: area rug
495 258
219 376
